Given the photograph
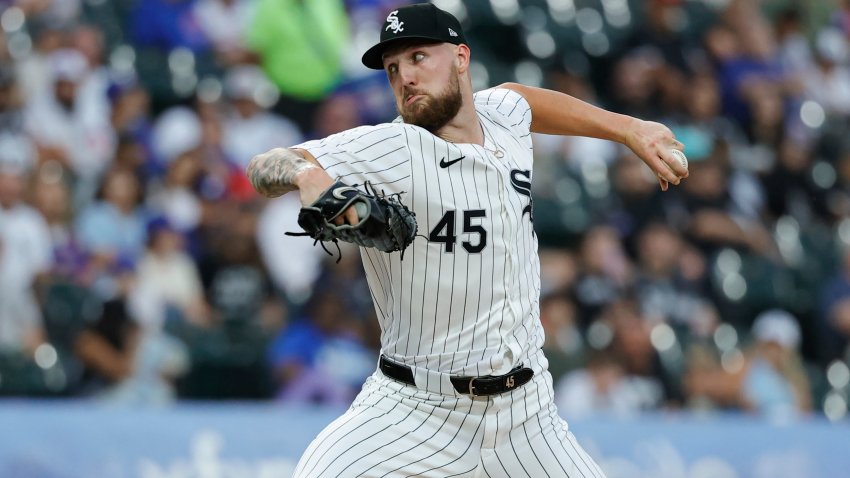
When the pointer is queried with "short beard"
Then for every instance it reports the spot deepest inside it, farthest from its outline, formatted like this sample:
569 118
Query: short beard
434 112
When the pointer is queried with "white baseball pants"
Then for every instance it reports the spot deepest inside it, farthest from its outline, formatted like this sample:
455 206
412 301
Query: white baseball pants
397 430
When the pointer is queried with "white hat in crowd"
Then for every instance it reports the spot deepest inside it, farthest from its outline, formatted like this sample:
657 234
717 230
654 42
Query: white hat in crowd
177 131
69 65
250 83
17 154
779 326
831 45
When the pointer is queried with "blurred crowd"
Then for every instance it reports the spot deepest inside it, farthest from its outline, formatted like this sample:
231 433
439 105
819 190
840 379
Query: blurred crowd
137 265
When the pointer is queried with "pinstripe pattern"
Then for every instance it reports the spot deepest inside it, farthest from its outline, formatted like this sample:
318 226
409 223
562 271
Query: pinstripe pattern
464 301
396 430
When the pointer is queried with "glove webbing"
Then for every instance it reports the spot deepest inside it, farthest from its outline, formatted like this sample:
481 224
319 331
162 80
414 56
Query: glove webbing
370 189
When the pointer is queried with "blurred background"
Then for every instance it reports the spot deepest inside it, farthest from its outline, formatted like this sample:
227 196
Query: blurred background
144 285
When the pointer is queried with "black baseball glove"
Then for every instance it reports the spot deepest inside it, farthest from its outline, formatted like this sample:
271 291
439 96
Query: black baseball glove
385 223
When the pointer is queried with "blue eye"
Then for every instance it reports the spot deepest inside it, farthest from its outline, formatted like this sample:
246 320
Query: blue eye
418 57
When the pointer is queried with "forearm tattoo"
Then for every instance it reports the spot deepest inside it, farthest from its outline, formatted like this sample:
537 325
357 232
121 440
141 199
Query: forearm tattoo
273 173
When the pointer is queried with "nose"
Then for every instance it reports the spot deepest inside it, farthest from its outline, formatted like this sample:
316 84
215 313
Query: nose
407 74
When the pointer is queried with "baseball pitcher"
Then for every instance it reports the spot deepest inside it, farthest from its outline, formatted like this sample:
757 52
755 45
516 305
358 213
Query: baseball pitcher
440 203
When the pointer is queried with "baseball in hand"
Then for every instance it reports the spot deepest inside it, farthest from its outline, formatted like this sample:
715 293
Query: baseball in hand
683 160
362 210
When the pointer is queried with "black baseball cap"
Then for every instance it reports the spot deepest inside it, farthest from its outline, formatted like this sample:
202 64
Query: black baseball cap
421 21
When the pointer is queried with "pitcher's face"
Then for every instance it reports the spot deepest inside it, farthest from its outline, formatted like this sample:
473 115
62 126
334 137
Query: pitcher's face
424 80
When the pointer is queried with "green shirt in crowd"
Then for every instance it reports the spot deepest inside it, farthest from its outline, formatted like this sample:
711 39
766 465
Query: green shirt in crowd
301 43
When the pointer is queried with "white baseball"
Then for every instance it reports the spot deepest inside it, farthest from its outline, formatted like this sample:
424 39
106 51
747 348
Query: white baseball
683 160
362 210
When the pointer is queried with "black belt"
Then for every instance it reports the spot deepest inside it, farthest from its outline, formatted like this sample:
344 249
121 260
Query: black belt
475 386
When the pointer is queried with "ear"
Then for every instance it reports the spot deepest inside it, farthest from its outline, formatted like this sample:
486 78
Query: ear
462 58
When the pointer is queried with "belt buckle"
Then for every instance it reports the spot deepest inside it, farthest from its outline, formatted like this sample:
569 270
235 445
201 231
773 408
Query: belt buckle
472 387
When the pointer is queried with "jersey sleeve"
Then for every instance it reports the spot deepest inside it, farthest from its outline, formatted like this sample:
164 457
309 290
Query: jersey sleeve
377 154
509 106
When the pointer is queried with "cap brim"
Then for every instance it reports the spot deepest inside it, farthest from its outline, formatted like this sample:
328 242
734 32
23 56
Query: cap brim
374 57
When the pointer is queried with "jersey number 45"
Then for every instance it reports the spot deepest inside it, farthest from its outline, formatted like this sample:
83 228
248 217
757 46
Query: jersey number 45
444 231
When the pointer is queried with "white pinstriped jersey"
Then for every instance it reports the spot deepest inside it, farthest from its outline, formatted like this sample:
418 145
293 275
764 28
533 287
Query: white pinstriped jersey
464 299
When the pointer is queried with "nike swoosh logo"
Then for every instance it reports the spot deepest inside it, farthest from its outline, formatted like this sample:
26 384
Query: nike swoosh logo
446 164
337 193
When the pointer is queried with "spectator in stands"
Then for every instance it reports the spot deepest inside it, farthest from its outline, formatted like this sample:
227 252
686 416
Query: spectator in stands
634 86
174 197
579 152
198 133
748 64
714 219
841 17
834 314
838 198
559 269
660 33
316 35
664 292
34 70
89 42
222 178
638 198
17 151
126 362
167 279
320 358
235 280
112 229
65 11
52 198
176 130
776 383
25 259
791 189
132 122
130 108
337 113
710 135
106 348
769 379
794 54
130 154
248 128
167 24
604 388
828 81
11 112
702 126
563 342
632 348
70 127
766 109
606 272
225 23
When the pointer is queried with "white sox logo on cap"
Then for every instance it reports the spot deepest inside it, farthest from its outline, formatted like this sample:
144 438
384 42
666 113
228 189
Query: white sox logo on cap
418 22
396 25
